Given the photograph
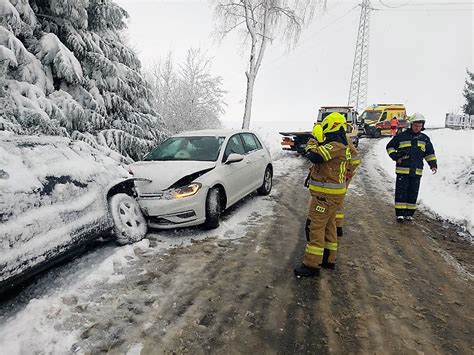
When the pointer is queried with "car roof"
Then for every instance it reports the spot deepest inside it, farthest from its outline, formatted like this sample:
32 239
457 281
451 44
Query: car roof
212 132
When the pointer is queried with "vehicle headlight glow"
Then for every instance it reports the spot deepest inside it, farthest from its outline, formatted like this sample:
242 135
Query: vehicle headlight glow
187 191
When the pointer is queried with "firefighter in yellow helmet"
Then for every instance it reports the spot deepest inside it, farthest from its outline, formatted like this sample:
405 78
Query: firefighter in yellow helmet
327 185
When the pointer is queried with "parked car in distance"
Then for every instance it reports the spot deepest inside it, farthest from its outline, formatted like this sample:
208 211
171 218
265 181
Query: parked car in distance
192 177
57 196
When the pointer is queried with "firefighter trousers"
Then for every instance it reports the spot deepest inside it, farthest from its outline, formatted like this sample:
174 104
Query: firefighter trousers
321 229
340 220
340 214
406 194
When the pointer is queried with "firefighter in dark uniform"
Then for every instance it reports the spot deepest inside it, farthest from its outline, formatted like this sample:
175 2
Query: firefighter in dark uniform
327 185
408 149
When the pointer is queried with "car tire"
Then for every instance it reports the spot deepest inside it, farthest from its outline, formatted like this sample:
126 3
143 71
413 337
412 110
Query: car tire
213 209
129 224
377 133
267 182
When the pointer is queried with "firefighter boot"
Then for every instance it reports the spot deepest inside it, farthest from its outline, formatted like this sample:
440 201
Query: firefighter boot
306 271
326 264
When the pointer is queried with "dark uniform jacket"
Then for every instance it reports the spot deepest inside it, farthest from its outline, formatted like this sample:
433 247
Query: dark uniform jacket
411 148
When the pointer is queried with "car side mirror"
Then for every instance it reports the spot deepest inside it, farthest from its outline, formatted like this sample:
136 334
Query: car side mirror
234 158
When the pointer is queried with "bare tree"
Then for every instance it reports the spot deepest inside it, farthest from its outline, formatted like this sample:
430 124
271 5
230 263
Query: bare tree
188 96
262 21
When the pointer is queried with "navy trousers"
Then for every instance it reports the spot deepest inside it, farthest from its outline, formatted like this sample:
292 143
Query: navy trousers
406 193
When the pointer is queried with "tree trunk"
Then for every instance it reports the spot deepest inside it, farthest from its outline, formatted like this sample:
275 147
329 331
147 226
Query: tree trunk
248 101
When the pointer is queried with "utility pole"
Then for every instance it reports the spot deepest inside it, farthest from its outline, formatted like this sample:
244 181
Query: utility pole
360 68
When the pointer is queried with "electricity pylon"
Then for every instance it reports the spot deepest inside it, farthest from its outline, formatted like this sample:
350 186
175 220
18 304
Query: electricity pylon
360 68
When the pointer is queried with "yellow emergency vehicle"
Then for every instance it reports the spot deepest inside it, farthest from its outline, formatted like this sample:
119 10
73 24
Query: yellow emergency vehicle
376 118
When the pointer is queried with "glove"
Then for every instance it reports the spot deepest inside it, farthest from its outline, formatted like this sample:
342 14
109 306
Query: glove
434 170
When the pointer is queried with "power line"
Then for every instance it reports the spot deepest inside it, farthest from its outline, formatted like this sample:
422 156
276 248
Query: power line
311 37
405 3
425 10
360 68
393 7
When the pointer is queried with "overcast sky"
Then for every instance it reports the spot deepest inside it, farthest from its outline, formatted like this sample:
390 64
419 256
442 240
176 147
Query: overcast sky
418 56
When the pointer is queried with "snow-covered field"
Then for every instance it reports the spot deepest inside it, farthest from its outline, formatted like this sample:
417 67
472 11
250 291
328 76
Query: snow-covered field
449 194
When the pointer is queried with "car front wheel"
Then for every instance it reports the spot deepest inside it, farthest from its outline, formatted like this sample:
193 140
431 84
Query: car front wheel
213 209
267 182
129 224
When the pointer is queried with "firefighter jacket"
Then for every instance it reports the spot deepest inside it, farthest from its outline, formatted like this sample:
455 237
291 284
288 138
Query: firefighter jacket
409 149
354 162
328 173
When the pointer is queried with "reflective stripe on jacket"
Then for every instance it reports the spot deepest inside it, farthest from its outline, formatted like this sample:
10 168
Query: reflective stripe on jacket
329 176
411 148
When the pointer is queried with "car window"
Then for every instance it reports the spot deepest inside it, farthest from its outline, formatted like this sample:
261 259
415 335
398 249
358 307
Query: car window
259 145
249 142
233 146
200 148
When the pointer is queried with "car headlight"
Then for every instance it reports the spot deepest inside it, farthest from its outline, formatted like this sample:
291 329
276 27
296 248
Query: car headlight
185 191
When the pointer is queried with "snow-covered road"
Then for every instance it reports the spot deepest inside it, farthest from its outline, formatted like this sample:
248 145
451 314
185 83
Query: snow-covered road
90 301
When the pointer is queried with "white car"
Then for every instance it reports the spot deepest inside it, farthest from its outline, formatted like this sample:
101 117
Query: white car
192 177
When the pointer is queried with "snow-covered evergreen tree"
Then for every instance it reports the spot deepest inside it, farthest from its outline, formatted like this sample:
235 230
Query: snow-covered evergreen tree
468 94
188 97
66 71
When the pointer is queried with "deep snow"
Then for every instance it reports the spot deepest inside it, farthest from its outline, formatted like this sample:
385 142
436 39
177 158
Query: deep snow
448 194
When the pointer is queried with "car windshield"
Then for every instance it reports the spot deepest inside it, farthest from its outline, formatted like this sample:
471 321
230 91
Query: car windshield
370 115
200 148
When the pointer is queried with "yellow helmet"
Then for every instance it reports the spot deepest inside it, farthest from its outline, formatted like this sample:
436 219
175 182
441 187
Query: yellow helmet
318 132
333 123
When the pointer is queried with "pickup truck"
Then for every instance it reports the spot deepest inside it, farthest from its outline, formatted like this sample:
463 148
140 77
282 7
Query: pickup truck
296 141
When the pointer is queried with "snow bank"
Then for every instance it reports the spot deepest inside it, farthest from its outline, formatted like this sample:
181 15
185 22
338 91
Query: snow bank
449 194
41 327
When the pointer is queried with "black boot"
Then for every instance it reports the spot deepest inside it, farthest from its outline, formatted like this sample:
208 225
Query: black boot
328 265
306 271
